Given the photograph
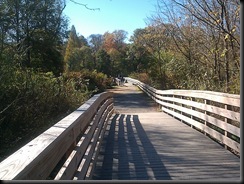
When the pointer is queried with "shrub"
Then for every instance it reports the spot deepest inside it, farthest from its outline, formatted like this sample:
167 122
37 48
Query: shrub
32 101
143 77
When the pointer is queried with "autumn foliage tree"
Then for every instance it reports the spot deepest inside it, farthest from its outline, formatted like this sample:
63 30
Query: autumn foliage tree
114 44
204 40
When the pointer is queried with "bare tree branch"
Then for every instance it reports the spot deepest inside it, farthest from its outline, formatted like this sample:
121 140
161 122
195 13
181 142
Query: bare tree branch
85 5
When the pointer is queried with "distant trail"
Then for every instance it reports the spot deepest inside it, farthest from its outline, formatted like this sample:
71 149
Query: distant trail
129 99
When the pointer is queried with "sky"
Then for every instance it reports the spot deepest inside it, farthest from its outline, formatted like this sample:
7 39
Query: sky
126 15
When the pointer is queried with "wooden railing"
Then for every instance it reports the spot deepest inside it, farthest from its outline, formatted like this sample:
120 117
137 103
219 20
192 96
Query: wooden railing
67 150
213 113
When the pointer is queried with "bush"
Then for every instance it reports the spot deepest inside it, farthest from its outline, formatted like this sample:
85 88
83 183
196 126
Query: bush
143 77
33 101
92 81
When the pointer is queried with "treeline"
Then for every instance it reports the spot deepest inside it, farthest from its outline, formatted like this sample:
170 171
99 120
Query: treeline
186 45
104 53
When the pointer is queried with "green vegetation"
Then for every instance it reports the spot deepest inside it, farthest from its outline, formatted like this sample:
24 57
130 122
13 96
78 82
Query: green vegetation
47 71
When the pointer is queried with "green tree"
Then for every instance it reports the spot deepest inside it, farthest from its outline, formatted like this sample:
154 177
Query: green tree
152 42
87 58
34 31
138 55
71 51
103 62
95 41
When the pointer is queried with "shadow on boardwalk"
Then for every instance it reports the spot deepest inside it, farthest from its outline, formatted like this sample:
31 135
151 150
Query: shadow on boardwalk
129 155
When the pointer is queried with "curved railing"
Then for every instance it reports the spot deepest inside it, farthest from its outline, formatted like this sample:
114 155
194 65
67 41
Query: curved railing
212 113
67 150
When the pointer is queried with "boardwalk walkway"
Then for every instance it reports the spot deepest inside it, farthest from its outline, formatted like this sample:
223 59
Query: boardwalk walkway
141 143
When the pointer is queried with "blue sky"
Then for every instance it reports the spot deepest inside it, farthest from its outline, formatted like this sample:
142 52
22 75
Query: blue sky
113 15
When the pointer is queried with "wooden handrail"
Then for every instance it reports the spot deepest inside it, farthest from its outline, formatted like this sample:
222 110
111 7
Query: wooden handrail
213 113
67 150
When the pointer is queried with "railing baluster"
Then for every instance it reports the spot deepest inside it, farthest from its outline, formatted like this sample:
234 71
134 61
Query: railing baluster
226 121
206 113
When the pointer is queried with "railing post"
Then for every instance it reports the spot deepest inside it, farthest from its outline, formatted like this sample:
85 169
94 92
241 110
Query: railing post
205 112
226 120
192 108
173 104
181 111
159 106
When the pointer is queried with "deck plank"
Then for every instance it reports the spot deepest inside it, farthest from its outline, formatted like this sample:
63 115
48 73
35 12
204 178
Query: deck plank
138 147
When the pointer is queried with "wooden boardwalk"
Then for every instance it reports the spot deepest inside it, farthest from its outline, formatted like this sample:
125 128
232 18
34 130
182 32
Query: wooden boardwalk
143 144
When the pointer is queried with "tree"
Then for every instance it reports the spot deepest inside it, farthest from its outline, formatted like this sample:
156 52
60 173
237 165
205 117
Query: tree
224 17
83 41
154 40
34 31
114 45
138 54
108 41
103 62
95 41
119 38
70 59
87 58
207 34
